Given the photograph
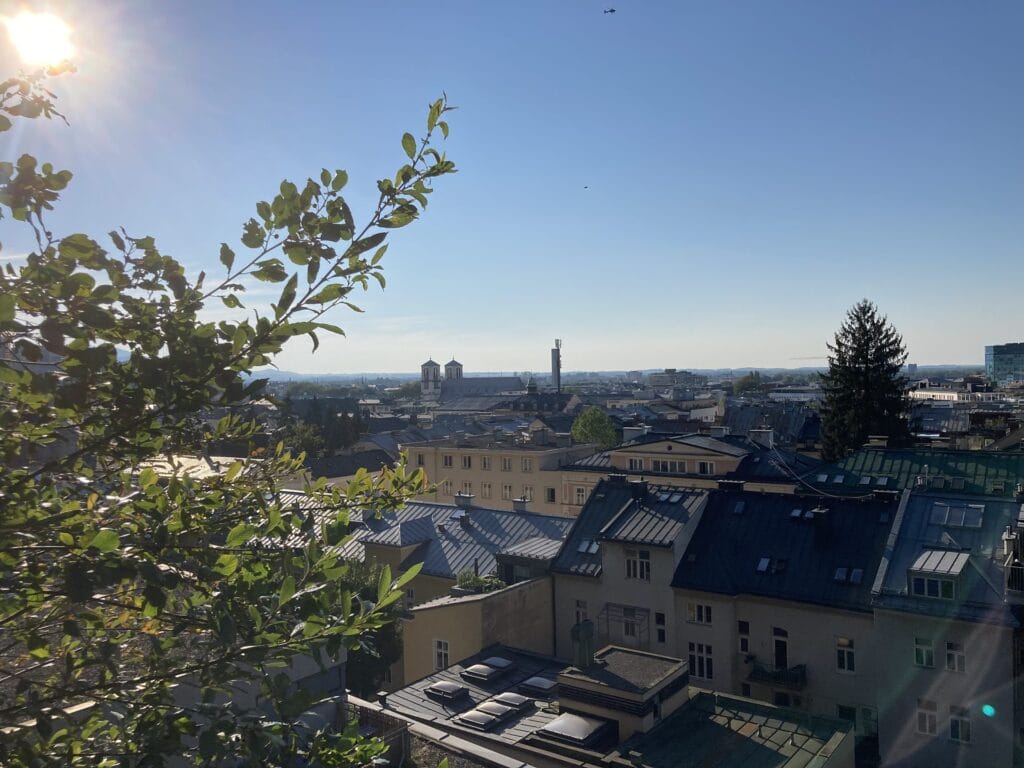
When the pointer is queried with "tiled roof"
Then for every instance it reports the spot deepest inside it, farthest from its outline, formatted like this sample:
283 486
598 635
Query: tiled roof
773 551
612 513
948 534
448 545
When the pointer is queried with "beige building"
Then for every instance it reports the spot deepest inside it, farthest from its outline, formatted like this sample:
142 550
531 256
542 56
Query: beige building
498 470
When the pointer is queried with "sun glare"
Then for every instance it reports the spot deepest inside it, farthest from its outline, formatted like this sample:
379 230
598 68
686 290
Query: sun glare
41 39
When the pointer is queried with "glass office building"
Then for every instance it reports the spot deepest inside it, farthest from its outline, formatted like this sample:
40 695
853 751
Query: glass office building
1004 363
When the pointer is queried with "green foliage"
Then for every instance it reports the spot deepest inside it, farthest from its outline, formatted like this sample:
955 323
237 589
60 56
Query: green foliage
303 437
118 585
864 391
488 583
594 426
377 650
749 383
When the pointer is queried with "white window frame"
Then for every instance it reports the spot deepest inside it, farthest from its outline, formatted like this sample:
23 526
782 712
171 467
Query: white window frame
485 463
581 495
926 717
638 564
636 464
705 467
956 659
467 486
506 491
925 583
698 613
528 492
924 653
702 663
485 490
959 725
441 655
846 658
527 464
447 460
467 461
668 466
506 463
550 495
446 487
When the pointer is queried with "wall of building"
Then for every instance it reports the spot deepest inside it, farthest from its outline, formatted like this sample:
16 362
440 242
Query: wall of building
519 616
986 679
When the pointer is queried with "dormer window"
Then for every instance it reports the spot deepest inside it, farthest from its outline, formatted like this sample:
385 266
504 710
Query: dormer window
935 572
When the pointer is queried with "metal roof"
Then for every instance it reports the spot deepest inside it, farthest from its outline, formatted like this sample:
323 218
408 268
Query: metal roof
450 546
941 562
774 552
613 513
536 548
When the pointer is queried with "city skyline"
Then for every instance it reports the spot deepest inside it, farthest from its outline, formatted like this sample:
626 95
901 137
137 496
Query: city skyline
674 184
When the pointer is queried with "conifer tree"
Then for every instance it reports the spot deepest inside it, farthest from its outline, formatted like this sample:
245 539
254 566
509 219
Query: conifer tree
864 391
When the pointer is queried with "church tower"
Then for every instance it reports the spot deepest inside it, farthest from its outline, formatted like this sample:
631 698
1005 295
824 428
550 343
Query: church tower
430 380
453 370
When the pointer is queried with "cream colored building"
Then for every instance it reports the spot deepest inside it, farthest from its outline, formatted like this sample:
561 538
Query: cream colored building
497 471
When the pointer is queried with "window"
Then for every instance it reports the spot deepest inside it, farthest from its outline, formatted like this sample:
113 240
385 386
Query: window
506 463
926 717
387 675
664 465
924 653
467 487
441 654
581 496
528 492
638 564
527 465
506 491
959 725
630 626
743 630
467 462
549 495
659 623
745 689
446 487
955 660
446 460
706 468
701 664
410 598
697 613
928 587
636 465
485 490
485 463
581 611
419 459
845 661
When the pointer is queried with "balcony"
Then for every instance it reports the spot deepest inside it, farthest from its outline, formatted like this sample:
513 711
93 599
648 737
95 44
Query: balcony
793 677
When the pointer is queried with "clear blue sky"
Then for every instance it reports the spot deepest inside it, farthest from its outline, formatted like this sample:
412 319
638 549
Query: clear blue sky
753 168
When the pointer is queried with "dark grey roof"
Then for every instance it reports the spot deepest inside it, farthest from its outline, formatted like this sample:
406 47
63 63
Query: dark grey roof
626 669
405 534
615 513
449 546
966 533
415 702
537 548
481 385
349 464
757 544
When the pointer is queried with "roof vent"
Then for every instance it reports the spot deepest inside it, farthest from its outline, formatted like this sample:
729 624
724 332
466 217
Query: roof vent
464 500
519 505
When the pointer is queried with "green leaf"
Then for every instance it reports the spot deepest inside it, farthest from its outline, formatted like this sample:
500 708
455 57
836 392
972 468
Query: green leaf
105 540
7 307
147 477
287 590
66 538
37 646
227 256
325 177
226 565
287 294
384 584
444 127
340 180
240 534
233 470
409 145
117 240
378 255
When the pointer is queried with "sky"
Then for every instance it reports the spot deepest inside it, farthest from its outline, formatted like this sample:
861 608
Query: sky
677 184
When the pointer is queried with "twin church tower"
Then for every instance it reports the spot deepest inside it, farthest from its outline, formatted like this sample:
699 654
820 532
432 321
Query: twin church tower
430 377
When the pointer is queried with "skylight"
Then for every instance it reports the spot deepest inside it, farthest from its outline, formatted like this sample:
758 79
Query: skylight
856 576
763 563
866 480
840 574
738 509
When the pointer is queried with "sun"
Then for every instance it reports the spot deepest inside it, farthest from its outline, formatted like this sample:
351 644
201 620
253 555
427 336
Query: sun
41 39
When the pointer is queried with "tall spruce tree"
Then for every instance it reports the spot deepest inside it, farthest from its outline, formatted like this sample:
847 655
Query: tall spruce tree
864 391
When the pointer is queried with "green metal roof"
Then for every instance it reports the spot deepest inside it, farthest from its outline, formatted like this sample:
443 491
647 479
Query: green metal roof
981 473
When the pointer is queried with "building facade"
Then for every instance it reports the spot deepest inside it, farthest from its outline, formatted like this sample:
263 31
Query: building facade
1004 363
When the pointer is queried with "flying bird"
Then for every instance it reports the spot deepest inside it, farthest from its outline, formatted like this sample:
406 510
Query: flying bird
609 10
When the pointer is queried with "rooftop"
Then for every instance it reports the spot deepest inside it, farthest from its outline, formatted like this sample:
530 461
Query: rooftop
626 670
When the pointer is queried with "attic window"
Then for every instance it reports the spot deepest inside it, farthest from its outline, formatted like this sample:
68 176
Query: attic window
957 483
840 574
738 509
763 563
795 514
866 480
999 487
882 482
938 482
856 576
822 478
838 478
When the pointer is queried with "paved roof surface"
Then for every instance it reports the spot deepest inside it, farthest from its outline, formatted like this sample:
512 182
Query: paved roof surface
756 544
448 546
970 543
718 731
613 514
627 670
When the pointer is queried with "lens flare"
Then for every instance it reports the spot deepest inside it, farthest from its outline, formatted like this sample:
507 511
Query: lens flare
988 710
41 39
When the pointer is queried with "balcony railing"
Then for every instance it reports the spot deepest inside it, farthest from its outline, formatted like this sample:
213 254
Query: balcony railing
793 677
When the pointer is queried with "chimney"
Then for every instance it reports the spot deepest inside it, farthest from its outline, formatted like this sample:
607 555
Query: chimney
639 489
1008 539
464 500
764 437
519 505
822 526
719 430
382 698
